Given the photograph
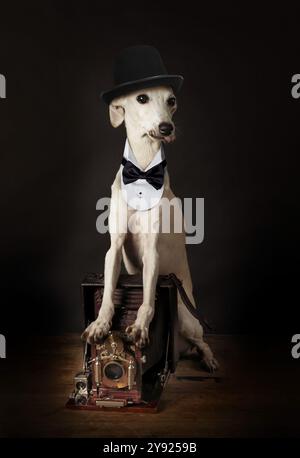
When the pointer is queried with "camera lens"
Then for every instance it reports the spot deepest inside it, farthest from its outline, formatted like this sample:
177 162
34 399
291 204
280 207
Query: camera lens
113 371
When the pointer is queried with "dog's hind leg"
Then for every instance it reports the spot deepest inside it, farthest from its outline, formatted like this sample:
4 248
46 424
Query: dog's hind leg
191 329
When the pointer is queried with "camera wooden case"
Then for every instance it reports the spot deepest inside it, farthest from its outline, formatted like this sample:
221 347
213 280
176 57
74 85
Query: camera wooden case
119 374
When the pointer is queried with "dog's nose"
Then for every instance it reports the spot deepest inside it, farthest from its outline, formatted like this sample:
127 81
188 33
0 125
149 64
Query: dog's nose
165 128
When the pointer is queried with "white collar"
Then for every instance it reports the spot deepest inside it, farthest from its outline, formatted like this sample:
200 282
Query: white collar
129 155
140 195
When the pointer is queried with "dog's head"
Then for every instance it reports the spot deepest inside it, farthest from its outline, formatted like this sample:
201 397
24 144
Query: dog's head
147 113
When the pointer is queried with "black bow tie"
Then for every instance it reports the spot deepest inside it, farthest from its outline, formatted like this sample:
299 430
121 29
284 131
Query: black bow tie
154 176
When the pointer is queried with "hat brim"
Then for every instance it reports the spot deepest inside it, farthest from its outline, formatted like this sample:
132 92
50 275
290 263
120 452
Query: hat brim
175 81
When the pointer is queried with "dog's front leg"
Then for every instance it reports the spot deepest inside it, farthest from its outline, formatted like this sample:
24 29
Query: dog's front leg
100 327
139 331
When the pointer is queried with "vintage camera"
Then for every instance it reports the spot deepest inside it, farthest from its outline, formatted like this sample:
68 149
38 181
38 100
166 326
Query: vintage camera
116 373
111 376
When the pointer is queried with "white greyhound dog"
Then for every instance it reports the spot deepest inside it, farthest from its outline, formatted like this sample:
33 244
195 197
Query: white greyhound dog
148 120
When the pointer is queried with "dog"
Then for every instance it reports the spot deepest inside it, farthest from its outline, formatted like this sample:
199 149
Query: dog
148 117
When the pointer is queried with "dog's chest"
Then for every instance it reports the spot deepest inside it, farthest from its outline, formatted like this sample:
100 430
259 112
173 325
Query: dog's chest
142 223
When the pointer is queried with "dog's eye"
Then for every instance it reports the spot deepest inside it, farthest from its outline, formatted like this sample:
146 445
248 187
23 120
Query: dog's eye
171 101
142 98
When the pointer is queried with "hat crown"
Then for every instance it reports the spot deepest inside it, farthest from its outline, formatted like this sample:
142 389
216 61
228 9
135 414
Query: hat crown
140 67
136 63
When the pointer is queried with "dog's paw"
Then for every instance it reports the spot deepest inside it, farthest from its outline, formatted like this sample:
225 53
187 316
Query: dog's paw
138 334
96 331
210 363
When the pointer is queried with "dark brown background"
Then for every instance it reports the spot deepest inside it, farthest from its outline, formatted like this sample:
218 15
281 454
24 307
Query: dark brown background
237 147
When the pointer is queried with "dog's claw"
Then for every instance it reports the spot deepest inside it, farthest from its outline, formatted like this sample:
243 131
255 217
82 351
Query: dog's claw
96 331
138 334
211 364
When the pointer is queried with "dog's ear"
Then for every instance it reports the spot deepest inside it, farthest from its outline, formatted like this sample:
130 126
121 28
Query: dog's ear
116 114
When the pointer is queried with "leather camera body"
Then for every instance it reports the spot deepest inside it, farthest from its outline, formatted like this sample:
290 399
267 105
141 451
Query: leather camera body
116 372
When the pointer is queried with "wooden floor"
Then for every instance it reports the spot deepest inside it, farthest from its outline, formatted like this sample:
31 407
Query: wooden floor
255 393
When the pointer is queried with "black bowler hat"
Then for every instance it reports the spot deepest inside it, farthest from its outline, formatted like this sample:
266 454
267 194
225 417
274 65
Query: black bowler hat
139 67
